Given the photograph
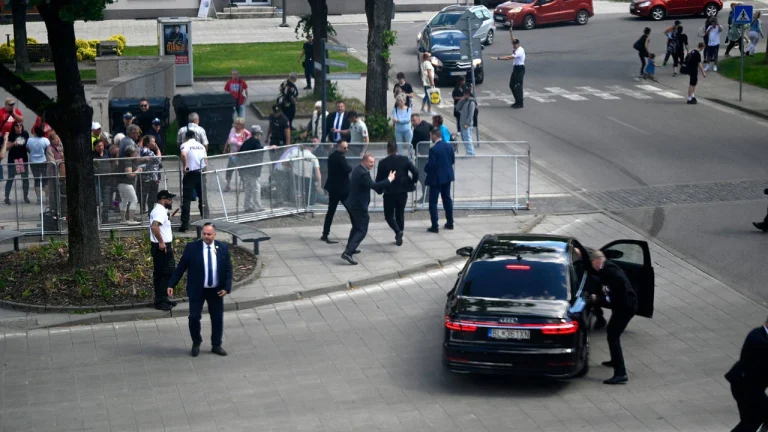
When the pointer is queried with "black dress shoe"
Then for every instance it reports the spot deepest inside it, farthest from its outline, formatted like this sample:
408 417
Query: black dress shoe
448 226
7 201
517 106
616 379
356 251
183 228
325 239
433 230
26 200
172 303
607 363
600 323
348 258
761 226
399 238
195 350
219 350
163 306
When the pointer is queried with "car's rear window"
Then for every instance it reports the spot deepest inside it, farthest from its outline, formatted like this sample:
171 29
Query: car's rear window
502 271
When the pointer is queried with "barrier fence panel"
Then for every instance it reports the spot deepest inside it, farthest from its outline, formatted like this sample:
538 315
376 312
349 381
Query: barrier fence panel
126 199
259 184
36 183
354 158
498 179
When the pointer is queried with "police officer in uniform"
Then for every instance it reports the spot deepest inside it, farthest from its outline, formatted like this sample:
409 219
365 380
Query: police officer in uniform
162 249
518 72
193 155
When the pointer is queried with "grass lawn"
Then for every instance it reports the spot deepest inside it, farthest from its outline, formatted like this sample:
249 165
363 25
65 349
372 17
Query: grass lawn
50 75
755 69
268 58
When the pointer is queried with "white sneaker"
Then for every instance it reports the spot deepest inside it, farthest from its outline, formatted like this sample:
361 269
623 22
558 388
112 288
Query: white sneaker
706 67
715 68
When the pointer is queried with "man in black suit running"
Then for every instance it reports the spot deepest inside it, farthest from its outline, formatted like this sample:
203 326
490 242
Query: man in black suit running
396 193
360 185
749 379
618 296
337 186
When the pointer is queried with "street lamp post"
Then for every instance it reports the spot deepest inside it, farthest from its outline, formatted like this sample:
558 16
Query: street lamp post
284 24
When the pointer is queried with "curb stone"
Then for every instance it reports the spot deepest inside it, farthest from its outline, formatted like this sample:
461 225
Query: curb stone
738 108
236 305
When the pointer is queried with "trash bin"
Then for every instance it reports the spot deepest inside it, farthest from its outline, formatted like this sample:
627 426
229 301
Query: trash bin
215 111
160 107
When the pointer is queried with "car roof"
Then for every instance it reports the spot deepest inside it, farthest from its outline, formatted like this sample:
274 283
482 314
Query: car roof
532 247
460 8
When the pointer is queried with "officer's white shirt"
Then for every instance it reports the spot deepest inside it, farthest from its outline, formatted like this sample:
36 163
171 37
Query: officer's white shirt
196 154
213 265
160 214
519 57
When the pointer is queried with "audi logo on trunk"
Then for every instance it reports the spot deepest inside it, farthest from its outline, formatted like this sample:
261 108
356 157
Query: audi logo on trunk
508 320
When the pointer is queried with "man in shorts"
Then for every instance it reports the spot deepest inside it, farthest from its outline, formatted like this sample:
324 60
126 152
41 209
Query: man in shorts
694 65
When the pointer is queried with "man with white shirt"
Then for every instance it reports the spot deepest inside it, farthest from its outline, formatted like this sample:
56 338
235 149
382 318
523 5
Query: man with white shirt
209 278
194 126
518 72
713 45
193 158
337 125
162 249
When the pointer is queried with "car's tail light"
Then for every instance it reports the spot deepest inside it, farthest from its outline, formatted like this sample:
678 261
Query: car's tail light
518 267
560 328
459 325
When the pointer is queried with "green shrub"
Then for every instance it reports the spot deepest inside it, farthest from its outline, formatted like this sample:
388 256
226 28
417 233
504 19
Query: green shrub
379 128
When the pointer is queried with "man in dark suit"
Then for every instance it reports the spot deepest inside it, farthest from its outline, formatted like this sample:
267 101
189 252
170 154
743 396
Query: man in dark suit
337 125
618 296
439 171
337 186
209 279
360 185
421 130
396 193
749 379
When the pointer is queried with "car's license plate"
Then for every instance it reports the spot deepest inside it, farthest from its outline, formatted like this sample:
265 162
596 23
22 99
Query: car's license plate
458 73
499 19
509 334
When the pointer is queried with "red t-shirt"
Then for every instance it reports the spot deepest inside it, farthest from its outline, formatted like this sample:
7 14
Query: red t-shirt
235 88
6 121
46 127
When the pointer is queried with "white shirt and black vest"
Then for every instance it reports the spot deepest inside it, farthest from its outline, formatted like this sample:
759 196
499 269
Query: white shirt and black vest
210 274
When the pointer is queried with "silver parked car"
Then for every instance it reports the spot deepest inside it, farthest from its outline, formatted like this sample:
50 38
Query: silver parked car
451 14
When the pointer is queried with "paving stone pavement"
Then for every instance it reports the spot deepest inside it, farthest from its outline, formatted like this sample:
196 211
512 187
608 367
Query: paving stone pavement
369 359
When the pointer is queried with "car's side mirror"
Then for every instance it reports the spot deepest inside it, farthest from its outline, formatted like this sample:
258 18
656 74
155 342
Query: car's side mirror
466 251
613 254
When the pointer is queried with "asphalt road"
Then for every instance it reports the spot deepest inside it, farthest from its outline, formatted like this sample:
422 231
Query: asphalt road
594 126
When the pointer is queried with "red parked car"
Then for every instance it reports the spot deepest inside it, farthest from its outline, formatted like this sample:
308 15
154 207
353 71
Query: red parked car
528 14
659 9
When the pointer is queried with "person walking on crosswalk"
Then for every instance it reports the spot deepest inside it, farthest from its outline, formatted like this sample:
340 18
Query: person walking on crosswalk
518 72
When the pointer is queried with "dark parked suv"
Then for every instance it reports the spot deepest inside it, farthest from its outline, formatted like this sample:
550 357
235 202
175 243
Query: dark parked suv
444 45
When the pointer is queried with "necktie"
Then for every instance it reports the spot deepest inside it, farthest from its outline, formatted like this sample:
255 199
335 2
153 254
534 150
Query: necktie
317 120
210 268
338 126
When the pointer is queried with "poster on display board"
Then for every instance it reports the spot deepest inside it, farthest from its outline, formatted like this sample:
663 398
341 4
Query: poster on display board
176 42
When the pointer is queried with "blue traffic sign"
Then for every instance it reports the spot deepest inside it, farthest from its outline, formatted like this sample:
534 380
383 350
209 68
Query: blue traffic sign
742 14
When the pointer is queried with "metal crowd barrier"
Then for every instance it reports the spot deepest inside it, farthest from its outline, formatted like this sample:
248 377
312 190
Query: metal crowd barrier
499 179
36 183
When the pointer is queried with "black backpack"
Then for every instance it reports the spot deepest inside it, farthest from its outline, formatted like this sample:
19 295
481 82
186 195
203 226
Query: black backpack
685 67
639 44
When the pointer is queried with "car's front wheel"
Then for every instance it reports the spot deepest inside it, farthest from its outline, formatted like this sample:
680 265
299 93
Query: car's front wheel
489 37
479 76
529 22
711 10
582 17
658 13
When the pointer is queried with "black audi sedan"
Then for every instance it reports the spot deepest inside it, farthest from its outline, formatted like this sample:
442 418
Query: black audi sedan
444 43
519 305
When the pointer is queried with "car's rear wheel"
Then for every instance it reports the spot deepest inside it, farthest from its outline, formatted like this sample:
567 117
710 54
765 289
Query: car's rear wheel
529 22
585 369
658 13
711 10
489 37
479 76
582 17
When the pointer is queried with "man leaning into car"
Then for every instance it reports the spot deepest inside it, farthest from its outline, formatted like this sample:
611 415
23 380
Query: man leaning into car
619 296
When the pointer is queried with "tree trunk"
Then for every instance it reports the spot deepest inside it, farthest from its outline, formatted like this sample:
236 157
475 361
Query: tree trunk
379 14
71 117
19 8
319 32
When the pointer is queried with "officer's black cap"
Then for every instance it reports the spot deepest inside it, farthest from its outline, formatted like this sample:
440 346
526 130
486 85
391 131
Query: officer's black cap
516 41
164 194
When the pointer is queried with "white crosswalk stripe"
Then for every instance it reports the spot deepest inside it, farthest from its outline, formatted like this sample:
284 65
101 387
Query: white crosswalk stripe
598 93
630 93
557 91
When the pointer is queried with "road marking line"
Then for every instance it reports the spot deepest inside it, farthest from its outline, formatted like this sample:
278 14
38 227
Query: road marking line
628 125
539 98
628 92
649 88
670 95
557 91
599 93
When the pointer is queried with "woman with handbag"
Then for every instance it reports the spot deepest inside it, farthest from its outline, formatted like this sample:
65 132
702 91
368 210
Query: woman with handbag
237 136
641 46
18 161
755 33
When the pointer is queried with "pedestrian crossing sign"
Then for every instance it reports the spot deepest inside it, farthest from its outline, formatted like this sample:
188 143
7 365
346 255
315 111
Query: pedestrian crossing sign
742 14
